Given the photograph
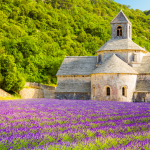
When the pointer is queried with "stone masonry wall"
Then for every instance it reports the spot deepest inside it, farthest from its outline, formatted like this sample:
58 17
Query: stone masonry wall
114 31
73 96
115 82
37 90
32 93
143 77
4 94
125 55
139 97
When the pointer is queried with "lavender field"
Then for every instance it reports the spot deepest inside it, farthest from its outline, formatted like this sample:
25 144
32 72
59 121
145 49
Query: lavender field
49 124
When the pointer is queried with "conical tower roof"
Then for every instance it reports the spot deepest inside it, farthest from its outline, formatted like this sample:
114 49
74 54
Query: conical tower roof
121 18
114 65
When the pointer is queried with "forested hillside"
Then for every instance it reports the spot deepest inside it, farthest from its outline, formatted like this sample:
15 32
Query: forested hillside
35 36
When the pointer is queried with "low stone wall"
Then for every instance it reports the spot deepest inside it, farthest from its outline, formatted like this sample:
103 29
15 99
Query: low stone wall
32 93
73 96
37 90
49 93
4 94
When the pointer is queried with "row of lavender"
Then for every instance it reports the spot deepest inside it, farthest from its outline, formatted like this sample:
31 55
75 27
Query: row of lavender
48 123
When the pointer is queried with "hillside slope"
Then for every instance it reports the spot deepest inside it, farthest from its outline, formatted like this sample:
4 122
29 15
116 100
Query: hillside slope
39 34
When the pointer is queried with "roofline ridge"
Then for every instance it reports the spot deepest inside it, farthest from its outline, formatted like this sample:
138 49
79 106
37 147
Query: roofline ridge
124 16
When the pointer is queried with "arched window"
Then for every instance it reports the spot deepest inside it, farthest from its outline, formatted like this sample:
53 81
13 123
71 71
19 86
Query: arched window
108 91
119 31
123 91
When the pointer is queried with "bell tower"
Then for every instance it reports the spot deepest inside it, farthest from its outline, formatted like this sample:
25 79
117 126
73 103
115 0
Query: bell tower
121 27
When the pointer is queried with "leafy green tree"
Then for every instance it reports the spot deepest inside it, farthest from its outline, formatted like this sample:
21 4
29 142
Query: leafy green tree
82 36
11 79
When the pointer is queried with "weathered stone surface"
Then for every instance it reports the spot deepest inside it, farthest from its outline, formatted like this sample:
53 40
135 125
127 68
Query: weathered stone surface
142 97
123 21
31 93
120 18
74 65
4 94
115 82
73 87
144 67
49 93
125 55
73 96
37 90
143 86
120 44
114 65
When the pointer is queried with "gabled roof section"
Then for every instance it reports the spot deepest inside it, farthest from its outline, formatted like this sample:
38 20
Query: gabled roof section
114 65
143 86
120 44
73 87
121 18
144 67
77 65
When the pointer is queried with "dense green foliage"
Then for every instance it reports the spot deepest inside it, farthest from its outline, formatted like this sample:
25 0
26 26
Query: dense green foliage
38 35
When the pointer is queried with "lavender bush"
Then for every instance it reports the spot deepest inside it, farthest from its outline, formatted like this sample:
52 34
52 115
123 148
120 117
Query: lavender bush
50 124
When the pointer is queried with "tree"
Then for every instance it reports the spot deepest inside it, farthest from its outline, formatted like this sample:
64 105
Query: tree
11 79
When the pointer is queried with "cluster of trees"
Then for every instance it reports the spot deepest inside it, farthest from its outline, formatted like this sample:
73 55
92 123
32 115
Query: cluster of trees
35 36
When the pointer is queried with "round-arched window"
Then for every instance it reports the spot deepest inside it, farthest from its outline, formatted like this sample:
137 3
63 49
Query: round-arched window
123 91
108 91
119 31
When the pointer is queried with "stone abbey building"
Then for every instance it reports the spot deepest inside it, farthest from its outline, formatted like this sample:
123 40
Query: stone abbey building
119 72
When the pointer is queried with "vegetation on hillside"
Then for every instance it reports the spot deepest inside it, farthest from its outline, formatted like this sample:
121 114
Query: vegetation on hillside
35 36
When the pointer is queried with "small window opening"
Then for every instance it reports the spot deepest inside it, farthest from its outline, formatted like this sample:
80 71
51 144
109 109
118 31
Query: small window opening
135 57
119 31
108 91
123 91
99 58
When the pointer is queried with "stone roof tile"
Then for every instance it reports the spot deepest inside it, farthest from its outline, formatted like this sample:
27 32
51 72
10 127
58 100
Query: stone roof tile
121 18
114 65
74 65
73 87
143 86
120 44
144 66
